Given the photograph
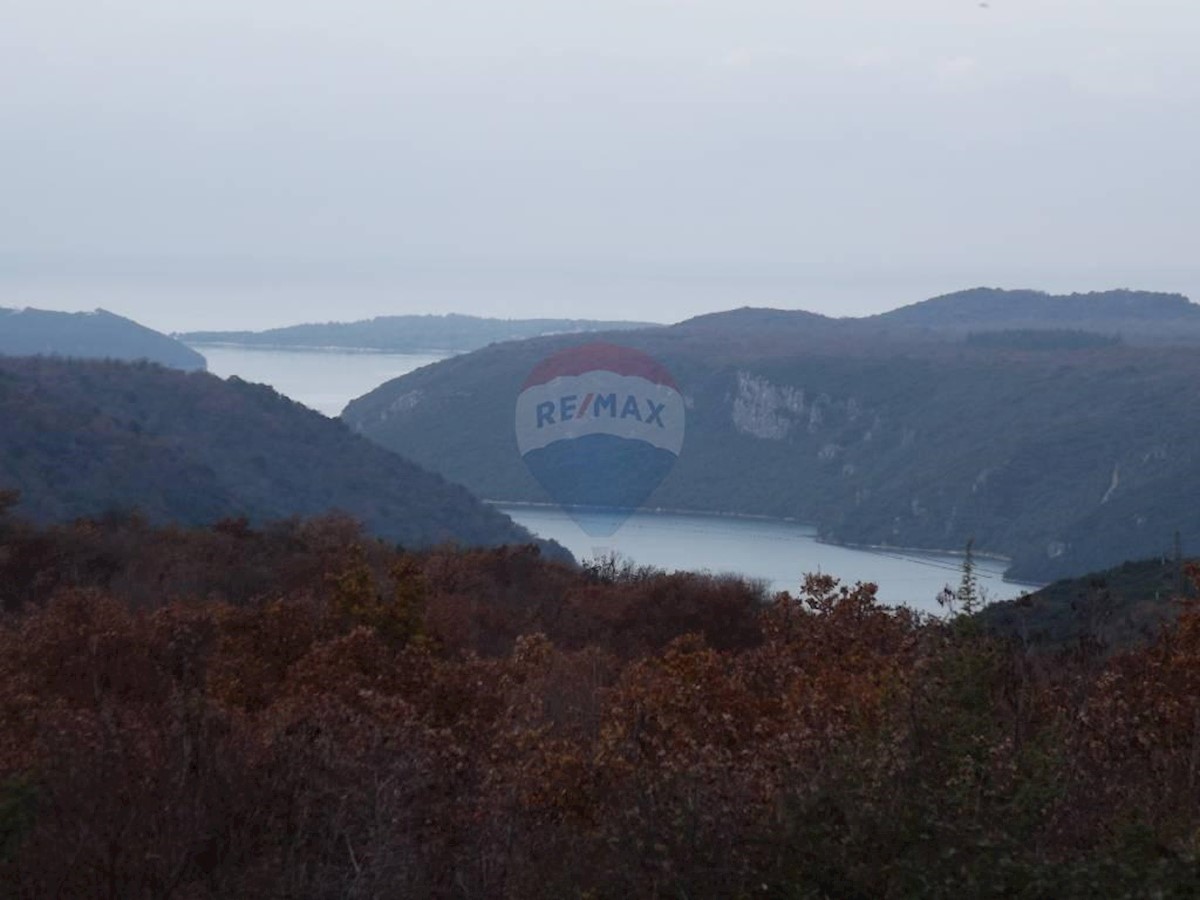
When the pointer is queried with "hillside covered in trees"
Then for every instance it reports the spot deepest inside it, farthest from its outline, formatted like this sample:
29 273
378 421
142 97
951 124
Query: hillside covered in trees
1063 453
1119 607
88 438
93 335
1137 316
303 711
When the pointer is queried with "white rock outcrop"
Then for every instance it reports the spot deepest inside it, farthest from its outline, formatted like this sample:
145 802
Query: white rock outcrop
765 410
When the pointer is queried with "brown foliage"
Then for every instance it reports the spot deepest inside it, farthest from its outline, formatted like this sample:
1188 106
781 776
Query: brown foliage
341 719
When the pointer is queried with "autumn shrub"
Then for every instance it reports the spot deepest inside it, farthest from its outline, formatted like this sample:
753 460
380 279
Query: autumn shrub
490 724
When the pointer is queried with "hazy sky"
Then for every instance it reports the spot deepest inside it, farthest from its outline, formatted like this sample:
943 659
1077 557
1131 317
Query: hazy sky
257 162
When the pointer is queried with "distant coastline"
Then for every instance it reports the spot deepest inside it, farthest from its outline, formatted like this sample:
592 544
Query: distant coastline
326 348
445 334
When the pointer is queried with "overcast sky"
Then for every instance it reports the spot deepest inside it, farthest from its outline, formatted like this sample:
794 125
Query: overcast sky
256 162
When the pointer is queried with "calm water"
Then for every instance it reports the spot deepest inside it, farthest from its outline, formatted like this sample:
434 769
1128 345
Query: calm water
778 552
324 380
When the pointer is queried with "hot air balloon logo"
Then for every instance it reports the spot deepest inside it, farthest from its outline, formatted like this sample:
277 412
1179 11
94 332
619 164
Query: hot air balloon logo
600 426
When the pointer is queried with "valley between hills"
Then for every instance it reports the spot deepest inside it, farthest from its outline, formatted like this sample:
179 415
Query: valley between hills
980 415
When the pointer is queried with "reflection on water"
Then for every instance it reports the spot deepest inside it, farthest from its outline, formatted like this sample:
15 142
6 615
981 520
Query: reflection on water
780 553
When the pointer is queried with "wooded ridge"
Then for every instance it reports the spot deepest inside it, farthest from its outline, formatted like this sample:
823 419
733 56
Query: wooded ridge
89 438
1065 455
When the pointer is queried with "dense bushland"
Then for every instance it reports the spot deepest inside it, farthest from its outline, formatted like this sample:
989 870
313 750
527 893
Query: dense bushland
304 712
84 438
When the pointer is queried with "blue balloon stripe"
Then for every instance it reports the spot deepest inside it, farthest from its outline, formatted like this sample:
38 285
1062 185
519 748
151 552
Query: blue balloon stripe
600 473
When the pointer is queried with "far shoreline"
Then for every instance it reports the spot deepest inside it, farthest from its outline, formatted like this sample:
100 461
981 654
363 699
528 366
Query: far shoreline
326 348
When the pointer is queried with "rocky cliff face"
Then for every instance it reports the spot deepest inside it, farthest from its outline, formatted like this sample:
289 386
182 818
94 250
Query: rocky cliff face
764 410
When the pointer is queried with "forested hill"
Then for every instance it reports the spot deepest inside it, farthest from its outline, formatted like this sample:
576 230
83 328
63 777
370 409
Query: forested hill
1112 610
405 334
1140 317
94 335
1067 459
84 438
1134 315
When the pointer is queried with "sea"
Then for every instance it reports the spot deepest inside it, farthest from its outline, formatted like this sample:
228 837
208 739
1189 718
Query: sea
322 379
778 553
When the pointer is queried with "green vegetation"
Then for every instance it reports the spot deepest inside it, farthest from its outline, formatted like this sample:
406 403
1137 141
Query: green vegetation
1113 609
18 798
91 438
1141 316
1042 339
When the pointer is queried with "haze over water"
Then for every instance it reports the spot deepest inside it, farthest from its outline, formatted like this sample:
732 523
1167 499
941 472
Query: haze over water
324 380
